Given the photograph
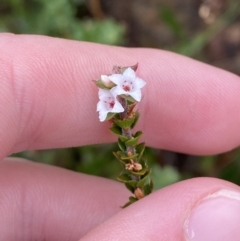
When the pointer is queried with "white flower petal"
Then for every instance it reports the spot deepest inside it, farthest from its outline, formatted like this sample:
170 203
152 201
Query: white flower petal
108 104
102 115
129 73
117 91
139 83
101 106
137 95
116 78
117 107
102 94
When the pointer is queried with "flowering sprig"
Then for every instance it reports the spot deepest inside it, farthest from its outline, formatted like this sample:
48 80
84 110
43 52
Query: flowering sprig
118 94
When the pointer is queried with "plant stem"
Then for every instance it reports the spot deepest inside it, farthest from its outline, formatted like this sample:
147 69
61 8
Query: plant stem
128 133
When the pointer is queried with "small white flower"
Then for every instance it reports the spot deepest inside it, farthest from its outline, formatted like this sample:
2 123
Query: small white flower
108 104
106 81
127 84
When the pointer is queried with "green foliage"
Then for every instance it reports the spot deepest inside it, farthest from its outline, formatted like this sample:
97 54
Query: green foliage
58 18
193 45
168 16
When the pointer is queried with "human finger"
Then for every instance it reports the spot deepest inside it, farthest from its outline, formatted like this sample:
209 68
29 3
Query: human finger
193 210
41 202
49 101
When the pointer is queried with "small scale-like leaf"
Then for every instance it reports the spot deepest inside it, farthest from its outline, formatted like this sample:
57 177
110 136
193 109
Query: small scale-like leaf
127 204
140 149
117 155
115 130
118 131
129 187
132 199
133 67
121 145
110 116
143 163
127 123
124 178
100 84
134 140
128 98
138 134
137 115
124 157
143 180
123 138
148 188
140 173
132 183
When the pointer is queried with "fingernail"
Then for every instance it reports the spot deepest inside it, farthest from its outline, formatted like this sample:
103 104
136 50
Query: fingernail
215 218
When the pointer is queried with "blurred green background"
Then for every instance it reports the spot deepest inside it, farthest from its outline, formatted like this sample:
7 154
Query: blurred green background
207 30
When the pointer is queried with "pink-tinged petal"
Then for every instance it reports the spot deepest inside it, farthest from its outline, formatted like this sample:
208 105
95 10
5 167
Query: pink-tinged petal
107 104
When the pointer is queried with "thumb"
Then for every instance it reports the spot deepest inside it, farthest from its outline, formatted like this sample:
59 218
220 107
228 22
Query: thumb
198 209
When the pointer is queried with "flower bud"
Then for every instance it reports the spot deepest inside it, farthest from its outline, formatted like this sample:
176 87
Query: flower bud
130 166
138 193
137 167
106 81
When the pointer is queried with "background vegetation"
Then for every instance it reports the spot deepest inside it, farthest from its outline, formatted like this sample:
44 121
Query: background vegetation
207 30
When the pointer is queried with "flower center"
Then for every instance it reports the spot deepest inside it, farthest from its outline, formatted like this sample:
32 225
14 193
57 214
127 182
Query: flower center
109 102
127 86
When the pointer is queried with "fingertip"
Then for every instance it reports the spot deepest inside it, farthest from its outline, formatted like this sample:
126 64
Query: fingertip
161 215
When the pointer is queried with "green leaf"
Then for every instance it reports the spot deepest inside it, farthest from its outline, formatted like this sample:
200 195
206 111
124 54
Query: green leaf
117 155
123 138
143 180
134 140
115 130
129 202
118 131
121 145
110 116
140 149
124 178
124 157
100 84
128 98
138 134
133 183
132 199
129 187
127 123
140 173
148 188
133 67
137 115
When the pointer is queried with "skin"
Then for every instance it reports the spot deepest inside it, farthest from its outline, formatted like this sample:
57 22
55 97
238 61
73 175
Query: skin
49 101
